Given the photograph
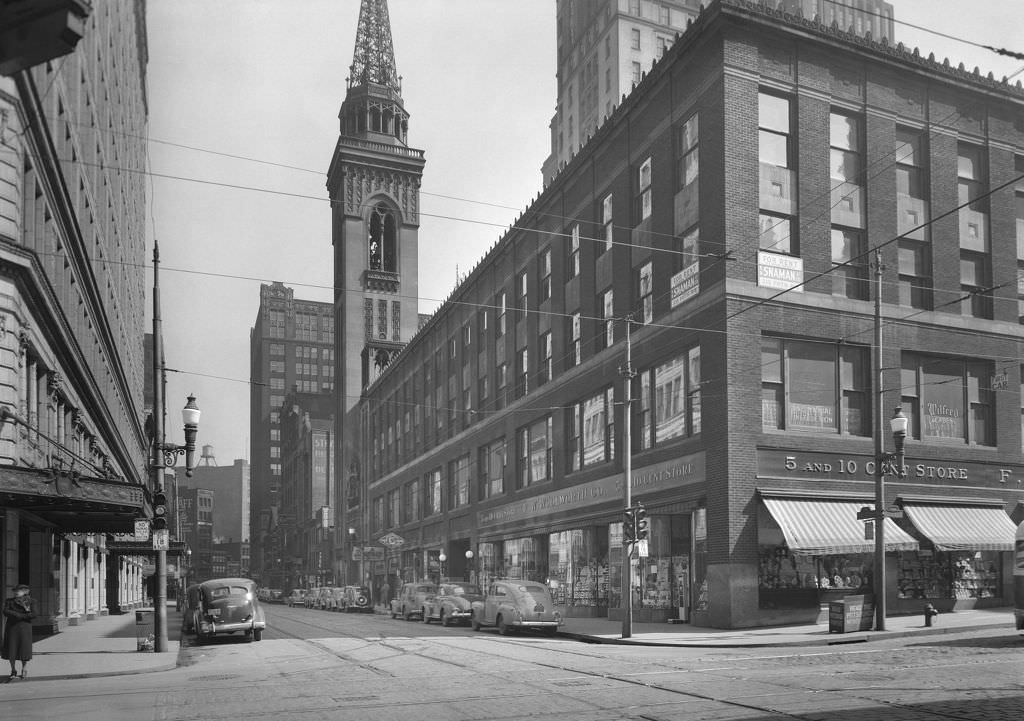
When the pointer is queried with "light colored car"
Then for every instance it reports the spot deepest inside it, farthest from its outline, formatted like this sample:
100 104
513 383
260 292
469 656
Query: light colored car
227 606
511 605
411 599
334 598
311 596
297 597
453 603
357 599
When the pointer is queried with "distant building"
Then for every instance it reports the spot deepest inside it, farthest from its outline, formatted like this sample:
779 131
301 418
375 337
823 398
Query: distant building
605 46
197 508
291 348
308 487
231 486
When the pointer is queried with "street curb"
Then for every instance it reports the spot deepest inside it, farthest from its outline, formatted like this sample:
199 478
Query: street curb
169 666
830 640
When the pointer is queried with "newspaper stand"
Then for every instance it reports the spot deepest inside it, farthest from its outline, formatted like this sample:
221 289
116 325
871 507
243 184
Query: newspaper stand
145 635
853 613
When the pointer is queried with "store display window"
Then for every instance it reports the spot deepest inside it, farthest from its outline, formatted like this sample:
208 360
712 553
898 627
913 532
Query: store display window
958 575
578 567
526 558
789 580
662 579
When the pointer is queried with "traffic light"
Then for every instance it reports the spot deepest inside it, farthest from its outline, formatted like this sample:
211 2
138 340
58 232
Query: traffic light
640 514
629 526
159 511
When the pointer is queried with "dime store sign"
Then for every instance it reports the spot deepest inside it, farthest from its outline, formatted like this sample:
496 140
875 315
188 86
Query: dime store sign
851 467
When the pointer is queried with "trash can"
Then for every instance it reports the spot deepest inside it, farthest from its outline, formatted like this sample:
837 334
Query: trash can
145 635
853 613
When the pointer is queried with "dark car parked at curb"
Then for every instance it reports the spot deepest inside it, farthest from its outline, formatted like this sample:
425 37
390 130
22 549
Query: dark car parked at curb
226 606
511 605
411 599
453 603
356 599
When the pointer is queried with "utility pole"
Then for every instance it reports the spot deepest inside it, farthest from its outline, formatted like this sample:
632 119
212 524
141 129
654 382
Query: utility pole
628 374
156 464
879 521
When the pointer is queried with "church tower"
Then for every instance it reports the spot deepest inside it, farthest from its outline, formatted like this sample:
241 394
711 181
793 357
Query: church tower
373 181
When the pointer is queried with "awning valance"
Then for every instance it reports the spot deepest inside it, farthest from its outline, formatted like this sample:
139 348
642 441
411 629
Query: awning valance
963 528
819 527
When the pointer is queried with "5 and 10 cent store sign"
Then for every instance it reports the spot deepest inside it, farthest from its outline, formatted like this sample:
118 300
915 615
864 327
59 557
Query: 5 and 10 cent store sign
840 467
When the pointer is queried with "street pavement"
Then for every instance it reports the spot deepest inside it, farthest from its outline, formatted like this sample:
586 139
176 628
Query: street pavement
108 646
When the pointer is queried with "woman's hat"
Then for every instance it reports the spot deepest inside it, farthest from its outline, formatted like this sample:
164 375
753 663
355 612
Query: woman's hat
22 586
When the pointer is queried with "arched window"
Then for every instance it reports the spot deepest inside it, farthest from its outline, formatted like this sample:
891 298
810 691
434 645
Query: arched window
383 248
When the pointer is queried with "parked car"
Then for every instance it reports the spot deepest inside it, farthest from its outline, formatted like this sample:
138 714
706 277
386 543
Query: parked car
227 606
297 597
276 595
511 605
357 599
335 598
190 602
311 595
453 603
411 599
321 598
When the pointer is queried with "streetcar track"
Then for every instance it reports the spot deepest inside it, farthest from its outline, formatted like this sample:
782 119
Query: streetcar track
536 688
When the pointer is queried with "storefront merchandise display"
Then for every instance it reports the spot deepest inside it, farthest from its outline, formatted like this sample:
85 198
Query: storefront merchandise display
792 580
958 575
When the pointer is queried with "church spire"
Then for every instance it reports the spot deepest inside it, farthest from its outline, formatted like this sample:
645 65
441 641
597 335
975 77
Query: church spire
374 57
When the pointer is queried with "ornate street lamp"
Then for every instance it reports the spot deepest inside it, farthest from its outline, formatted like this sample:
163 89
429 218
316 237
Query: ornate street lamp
470 565
441 559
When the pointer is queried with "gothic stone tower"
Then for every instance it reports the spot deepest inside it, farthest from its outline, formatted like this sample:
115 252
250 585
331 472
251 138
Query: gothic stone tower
374 181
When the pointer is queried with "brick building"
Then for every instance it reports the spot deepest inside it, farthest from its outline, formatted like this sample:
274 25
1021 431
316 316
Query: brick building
732 206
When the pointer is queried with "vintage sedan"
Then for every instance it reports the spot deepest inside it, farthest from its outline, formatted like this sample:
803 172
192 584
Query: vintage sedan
453 603
297 597
411 599
228 606
511 605
356 599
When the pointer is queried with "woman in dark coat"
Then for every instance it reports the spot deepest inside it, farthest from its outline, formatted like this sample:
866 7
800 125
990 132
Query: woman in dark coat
18 611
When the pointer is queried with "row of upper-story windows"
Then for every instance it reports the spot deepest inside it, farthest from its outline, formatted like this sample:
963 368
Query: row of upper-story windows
819 386
666 407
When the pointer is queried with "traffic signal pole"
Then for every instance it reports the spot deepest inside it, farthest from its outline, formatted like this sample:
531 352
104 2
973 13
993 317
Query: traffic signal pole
627 373
156 465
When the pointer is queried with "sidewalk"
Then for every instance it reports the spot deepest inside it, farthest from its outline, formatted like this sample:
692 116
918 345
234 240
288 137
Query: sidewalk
105 646
600 630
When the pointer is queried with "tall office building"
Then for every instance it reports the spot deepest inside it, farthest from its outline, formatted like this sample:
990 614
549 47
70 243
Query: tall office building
373 181
605 46
291 348
73 121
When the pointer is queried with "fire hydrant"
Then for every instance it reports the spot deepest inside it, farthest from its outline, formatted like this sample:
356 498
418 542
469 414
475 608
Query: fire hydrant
929 612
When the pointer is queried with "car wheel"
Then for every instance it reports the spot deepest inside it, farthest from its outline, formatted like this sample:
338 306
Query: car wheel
257 634
424 617
446 620
393 614
503 628
550 631
248 636
474 623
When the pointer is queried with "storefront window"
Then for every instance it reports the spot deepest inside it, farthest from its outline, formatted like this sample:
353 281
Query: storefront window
526 558
958 575
661 581
578 567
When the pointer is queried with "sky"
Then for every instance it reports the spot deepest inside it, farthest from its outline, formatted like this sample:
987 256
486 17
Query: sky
243 105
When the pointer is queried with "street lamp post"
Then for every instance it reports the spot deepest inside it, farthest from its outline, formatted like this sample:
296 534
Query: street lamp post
892 463
441 559
469 566
353 538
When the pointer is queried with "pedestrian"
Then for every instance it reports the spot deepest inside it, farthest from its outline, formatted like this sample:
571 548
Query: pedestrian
19 612
385 594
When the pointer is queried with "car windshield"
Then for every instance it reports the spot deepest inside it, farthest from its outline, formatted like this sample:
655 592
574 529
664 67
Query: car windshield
464 589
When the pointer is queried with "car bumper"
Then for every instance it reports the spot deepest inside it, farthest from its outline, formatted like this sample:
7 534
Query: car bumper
209 628
537 624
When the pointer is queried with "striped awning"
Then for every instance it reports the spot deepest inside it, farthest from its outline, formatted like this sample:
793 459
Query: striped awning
963 528
821 527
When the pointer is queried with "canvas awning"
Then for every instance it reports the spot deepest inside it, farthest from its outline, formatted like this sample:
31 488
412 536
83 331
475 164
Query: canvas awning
963 528
821 527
